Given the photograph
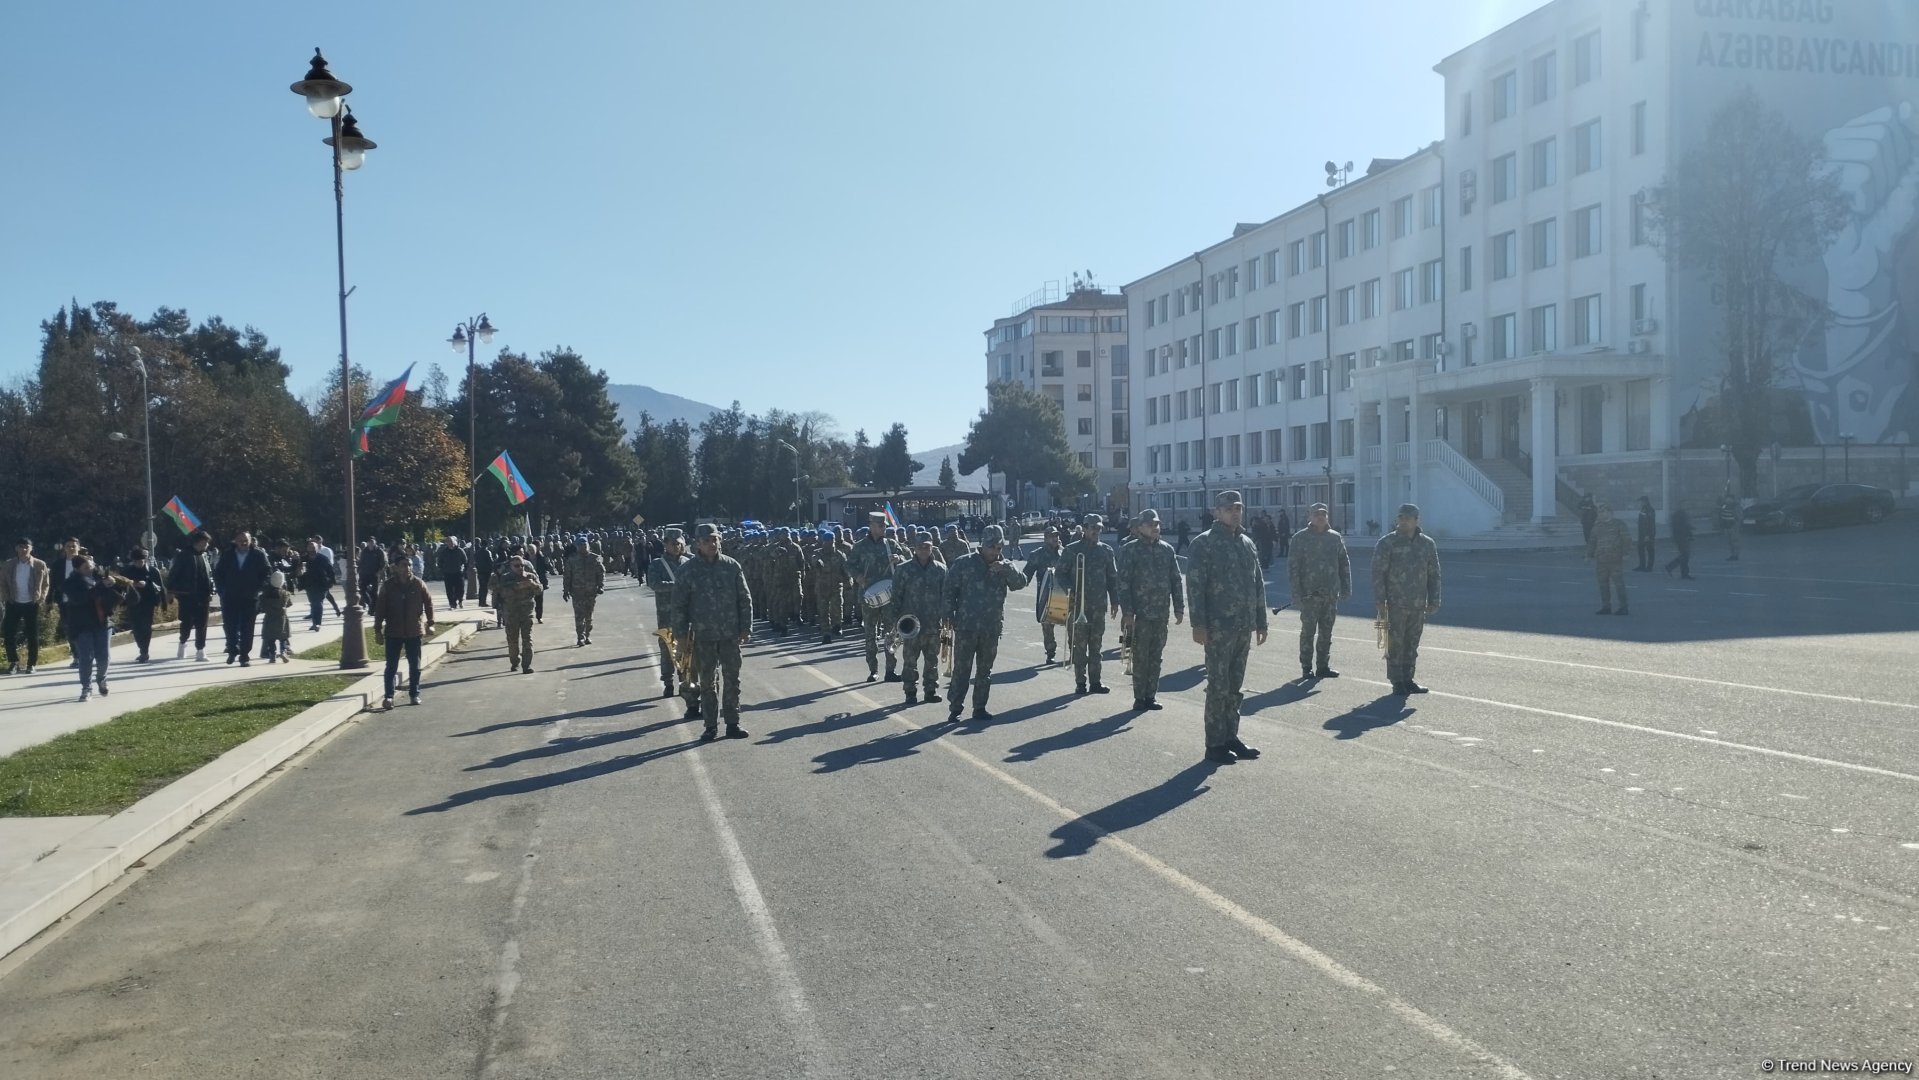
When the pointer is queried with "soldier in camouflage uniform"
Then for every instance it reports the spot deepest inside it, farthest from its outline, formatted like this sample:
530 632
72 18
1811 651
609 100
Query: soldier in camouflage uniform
1149 587
953 547
1102 590
1227 589
919 590
514 591
1731 518
1406 588
975 607
872 560
583 582
662 575
784 565
1047 558
809 543
829 577
713 609
1321 575
1606 549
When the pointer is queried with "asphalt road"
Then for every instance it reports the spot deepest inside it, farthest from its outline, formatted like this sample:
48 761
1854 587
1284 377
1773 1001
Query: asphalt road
1675 844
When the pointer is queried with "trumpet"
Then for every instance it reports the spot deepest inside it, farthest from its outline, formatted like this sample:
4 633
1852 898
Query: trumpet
1126 643
946 652
1379 628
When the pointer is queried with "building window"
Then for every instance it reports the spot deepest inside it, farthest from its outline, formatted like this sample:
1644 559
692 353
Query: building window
1232 451
1299 442
1214 399
1345 438
1505 255
1275 445
1586 148
1086 458
1432 205
1402 289
1252 333
1505 337
1544 244
1587 239
1639 414
1121 429
1272 328
1429 347
1152 411
1252 274
1299 382
1639 219
1232 282
1348 305
1505 96
1182 406
1217 452
1149 315
1316 314
1465 269
1230 389
1296 258
1296 319
1319 374
1369 230
1638 128
1121 399
1121 363
1467 343
1586 325
1119 459
1505 177
1639 303
1085 358
1402 218
1543 328
1369 298
1347 362
1085 425
1432 281
1343 239
1466 113
1316 250
1085 391
1185 459
1232 339
1545 78
1112 324
1545 163
1180 307
1585 58
1272 266
1255 445
1322 440
1212 344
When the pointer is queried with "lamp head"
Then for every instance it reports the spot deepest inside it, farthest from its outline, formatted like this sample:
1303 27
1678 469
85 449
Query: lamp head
484 331
322 91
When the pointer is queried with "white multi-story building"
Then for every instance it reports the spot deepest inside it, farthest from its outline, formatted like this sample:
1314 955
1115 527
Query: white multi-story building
1075 350
1250 350
1504 334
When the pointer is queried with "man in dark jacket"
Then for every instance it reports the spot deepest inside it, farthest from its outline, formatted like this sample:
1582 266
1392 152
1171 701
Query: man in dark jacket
1682 542
372 566
1648 528
483 564
316 580
450 561
148 592
239 576
191 583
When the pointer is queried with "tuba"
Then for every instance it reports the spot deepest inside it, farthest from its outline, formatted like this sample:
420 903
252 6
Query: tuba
907 628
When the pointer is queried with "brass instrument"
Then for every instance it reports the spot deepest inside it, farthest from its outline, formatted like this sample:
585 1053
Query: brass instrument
946 652
1126 643
907 628
1080 620
680 656
1379 628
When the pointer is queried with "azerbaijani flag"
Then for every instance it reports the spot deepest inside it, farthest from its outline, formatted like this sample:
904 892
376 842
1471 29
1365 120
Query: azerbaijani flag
177 512
382 409
508 474
892 518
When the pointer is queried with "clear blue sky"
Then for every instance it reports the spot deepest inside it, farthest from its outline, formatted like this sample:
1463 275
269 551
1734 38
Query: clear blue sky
798 205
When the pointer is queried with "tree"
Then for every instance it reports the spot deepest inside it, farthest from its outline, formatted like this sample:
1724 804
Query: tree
948 481
1022 433
860 463
893 466
414 473
1752 199
665 454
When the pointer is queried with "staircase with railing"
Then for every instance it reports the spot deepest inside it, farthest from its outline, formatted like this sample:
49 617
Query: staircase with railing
1441 451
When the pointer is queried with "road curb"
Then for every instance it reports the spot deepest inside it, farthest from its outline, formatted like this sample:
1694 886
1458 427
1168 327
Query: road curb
46 892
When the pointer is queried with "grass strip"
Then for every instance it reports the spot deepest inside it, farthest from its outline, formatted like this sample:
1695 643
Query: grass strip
375 646
106 768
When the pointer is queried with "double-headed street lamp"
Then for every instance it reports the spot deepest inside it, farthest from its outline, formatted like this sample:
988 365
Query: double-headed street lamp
467 336
148 538
797 519
325 97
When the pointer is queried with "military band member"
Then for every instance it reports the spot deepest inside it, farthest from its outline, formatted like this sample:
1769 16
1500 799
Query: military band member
1321 575
976 588
871 561
919 590
1406 588
785 565
1089 563
1149 589
713 608
1226 587
954 546
662 575
584 581
1047 558
514 591
829 582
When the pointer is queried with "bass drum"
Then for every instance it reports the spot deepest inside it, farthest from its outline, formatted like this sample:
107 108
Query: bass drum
1051 604
878 595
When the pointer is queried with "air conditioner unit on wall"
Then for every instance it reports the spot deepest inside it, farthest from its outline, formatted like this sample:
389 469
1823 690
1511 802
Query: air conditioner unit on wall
1639 345
1645 326
1445 348
1469 330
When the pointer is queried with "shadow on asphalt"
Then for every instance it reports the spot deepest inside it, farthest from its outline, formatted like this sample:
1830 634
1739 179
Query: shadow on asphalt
796 700
1085 734
570 743
530 784
1000 719
1078 836
1182 680
839 721
1380 712
892 747
583 714
1284 694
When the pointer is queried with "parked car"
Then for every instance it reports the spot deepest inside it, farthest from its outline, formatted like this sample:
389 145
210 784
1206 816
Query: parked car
1812 505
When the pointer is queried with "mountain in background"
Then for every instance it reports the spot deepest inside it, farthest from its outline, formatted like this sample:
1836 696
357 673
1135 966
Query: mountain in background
632 400
930 475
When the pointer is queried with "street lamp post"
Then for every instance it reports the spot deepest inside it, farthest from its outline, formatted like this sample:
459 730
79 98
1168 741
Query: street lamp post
796 480
147 539
1845 440
468 335
325 96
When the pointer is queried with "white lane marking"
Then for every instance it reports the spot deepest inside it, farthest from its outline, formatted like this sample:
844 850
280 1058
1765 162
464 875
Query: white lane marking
1671 589
1747 594
1819 598
786 979
1657 674
506 974
1787 795
1645 730
1510 563
1332 969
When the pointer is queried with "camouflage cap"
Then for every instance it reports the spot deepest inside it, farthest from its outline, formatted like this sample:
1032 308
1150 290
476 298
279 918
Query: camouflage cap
1319 508
1092 521
1408 510
706 530
1148 516
1228 497
994 536
672 535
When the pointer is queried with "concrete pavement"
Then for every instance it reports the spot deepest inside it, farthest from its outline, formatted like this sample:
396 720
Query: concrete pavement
1674 845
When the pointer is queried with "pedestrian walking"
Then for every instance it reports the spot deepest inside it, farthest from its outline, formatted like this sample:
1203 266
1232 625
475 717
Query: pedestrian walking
276 624
1226 589
238 577
483 564
662 576
23 584
1730 514
372 564
975 610
1150 589
1681 527
514 591
450 562
919 590
1588 516
1321 575
402 617
318 543
1606 550
1285 530
1406 592
1648 529
190 581
91 596
713 612
316 580
61 567
585 580
144 597
1092 580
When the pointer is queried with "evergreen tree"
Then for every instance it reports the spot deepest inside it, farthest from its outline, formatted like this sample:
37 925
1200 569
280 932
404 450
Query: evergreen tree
893 466
948 481
1022 433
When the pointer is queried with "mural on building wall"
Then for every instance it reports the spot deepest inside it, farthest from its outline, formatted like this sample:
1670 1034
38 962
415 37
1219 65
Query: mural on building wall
1849 73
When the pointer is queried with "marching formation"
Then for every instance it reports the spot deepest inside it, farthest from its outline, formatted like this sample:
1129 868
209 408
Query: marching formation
934 606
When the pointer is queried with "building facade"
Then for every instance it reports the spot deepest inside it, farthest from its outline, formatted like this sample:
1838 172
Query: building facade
1076 351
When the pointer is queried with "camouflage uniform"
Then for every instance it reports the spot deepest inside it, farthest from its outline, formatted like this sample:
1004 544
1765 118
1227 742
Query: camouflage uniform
662 574
1731 518
713 609
870 561
952 548
1606 547
829 580
583 582
1406 582
513 597
849 592
1227 589
1321 575
784 565
1046 558
920 591
1102 589
976 606
1150 589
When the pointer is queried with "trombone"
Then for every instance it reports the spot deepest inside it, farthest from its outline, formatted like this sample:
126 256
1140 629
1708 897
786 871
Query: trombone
946 651
1079 599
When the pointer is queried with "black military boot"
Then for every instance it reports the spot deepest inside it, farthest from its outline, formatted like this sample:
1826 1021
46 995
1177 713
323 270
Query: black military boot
892 673
666 686
1240 748
912 695
1325 672
1305 672
932 695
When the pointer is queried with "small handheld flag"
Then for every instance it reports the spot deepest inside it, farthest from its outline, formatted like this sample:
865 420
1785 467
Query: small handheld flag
177 512
508 474
892 518
381 409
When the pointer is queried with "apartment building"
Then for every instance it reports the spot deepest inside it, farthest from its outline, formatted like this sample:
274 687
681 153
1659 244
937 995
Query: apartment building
1075 349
